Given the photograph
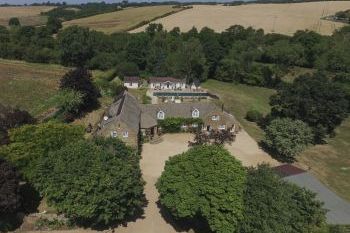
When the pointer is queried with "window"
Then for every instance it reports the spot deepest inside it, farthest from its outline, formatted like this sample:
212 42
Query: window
160 115
114 134
222 127
195 113
215 118
125 134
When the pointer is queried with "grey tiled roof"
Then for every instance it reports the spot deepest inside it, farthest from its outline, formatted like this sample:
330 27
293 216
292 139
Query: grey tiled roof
165 79
179 110
125 109
133 79
147 121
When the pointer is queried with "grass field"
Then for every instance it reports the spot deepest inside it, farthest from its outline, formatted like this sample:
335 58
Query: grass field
280 18
28 86
122 20
239 98
329 162
28 15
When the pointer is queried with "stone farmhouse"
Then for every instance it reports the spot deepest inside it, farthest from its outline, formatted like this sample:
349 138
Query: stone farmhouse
126 119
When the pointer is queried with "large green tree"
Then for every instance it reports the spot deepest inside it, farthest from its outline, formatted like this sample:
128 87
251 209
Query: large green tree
206 184
10 199
12 118
189 62
30 142
79 80
273 205
286 138
316 100
92 183
76 46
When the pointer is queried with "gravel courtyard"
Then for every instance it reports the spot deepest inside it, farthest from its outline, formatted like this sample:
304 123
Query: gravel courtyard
153 160
152 163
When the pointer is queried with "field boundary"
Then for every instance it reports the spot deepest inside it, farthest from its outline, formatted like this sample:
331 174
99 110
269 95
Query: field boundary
145 22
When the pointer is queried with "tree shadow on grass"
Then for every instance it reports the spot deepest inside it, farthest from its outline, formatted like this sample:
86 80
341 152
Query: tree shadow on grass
197 225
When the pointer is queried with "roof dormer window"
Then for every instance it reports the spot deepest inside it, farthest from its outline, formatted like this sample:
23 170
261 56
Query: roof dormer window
160 115
195 113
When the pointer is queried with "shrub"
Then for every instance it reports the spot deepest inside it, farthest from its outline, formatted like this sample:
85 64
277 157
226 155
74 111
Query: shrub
254 116
174 124
273 205
206 184
14 22
287 138
107 186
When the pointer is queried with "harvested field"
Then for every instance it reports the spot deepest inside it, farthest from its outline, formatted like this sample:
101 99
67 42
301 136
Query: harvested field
28 86
122 20
279 18
28 15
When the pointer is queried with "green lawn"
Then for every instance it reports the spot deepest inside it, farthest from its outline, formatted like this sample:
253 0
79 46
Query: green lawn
331 162
239 98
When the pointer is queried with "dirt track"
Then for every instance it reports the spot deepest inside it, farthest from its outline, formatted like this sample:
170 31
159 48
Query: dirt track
280 18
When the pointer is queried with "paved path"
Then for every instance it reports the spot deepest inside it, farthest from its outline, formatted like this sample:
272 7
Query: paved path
339 209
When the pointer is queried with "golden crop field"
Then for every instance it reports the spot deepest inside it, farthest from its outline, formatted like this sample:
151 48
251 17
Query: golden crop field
28 15
280 18
122 20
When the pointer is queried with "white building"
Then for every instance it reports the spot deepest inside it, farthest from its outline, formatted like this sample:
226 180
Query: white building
132 82
167 83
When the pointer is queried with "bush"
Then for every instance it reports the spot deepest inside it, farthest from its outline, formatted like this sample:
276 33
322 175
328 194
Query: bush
14 22
93 184
286 138
273 205
174 124
254 116
204 184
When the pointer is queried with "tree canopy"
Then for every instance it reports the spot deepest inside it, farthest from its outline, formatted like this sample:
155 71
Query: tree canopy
10 198
286 138
92 183
29 142
206 184
79 81
273 205
14 21
12 118
316 100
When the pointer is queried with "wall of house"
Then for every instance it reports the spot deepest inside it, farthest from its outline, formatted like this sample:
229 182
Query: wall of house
131 85
120 127
171 85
